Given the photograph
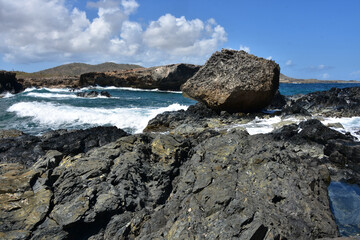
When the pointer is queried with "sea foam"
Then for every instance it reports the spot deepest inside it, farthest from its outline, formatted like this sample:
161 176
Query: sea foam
56 116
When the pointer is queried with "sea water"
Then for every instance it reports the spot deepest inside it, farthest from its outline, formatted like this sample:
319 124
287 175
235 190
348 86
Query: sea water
36 111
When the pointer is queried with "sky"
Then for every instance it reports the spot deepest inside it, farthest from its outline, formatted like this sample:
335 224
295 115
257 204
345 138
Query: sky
308 39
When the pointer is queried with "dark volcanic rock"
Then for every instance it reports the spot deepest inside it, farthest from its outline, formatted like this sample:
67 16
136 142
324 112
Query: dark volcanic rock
8 83
234 81
161 186
27 149
169 77
333 103
92 94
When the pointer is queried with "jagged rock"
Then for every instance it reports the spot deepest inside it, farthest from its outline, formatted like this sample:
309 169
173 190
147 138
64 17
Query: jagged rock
169 77
27 149
333 103
9 83
234 81
92 94
161 186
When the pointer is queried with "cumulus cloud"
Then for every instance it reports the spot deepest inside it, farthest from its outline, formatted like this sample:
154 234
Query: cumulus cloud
269 58
43 30
245 48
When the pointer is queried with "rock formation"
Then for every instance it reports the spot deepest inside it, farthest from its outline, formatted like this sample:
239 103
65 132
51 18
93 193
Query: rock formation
169 77
234 81
9 83
92 94
51 82
17 147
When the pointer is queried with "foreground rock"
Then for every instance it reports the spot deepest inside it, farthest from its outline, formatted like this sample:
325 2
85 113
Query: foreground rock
169 77
234 81
17 147
170 186
9 83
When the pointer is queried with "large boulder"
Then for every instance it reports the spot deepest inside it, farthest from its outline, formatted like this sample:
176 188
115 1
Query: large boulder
169 77
234 81
8 83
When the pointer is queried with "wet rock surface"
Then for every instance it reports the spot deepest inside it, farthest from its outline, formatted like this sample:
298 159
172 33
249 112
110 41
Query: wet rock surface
205 185
17 147
336 102
168 77
9 83
234 81
92 94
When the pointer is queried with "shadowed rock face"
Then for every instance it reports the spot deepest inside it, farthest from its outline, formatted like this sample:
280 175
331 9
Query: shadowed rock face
8 83
234 81
169 77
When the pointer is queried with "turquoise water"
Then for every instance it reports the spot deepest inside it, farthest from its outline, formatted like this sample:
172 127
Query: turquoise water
39 110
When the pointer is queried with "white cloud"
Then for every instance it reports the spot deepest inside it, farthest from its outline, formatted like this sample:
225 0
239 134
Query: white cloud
289 63
269 58
325 76
42 30
355 74
245 48
320 67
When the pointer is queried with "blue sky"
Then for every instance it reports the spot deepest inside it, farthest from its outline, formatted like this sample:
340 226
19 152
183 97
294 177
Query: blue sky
309 38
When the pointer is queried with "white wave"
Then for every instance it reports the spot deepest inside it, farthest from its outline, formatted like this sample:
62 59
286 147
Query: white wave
50 95
57 116
7 95
131 89
351 125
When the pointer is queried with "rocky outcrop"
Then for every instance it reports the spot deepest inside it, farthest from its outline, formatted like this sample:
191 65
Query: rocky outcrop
234 81
169 77
92 94
333 103
51 82
168 186
9 83
17 147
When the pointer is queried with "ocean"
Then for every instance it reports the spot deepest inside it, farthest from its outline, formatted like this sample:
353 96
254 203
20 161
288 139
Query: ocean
36 111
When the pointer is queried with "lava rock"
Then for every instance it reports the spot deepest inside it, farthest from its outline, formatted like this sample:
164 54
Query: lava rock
26 149
234 81
93 94
9 83
169 77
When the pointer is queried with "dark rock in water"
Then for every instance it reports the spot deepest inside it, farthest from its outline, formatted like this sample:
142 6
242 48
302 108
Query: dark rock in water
27 149
92 94
105 94
169 77
8 83
333 103
234 81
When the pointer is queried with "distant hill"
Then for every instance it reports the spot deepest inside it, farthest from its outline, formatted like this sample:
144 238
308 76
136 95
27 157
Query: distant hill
76 69
286 79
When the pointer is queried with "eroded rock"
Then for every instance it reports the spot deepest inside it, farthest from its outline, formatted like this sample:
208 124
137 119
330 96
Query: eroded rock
234 81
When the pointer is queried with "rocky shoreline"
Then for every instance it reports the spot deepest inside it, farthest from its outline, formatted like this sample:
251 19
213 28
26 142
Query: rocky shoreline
194 174
196 181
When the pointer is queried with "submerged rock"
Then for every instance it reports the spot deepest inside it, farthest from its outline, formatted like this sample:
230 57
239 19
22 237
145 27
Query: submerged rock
9 83
169 77
234 81
93 94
